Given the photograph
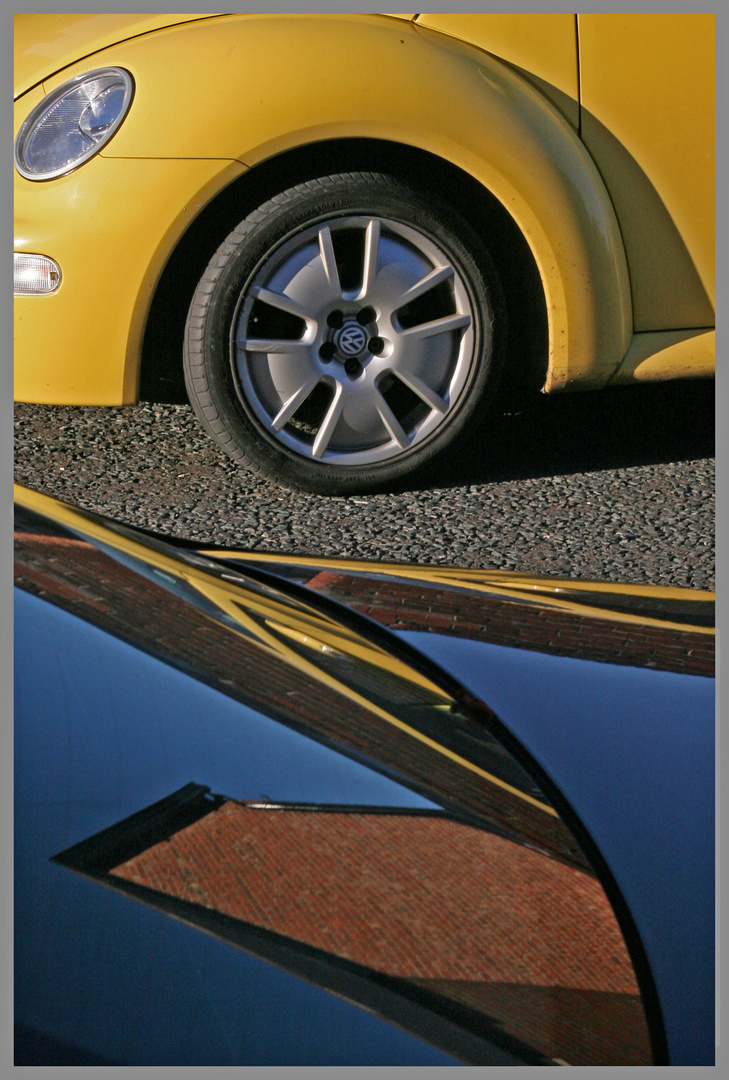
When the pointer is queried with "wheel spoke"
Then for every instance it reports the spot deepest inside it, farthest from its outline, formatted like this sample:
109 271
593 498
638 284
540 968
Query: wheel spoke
435 277
371 256
330 422
283 303
266 345
437 326
292 403
391 423
326 248
424 392
402 286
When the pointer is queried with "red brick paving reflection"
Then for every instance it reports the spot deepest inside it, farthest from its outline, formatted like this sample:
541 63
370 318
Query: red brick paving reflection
480 919
402 605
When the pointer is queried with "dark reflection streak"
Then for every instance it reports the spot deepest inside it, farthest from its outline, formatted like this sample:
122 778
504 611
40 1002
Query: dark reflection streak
133 835
690 612
450 1026
33 1047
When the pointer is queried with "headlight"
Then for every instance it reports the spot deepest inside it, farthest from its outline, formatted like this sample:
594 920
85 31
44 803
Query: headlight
72 123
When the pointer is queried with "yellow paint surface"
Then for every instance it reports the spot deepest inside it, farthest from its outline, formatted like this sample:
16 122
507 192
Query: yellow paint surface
248 94
678 354
46 43
109 226
648 117
544 45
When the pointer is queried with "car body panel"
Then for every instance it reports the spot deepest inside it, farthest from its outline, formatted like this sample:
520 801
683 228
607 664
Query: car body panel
513 639
47 43
117 745
511 139
543 47
299 672
81 344
651 132
581 686
670 354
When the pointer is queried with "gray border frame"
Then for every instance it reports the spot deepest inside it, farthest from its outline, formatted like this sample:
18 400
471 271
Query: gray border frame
6 429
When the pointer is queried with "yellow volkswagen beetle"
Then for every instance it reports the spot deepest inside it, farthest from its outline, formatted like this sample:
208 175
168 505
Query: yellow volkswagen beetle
336 232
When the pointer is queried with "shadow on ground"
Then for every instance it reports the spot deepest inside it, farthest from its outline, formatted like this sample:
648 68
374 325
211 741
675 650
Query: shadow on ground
540 435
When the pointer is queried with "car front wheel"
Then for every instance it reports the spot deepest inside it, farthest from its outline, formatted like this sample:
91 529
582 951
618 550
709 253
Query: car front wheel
345 336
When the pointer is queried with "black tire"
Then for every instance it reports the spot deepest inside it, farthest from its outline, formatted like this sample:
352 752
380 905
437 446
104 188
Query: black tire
436 383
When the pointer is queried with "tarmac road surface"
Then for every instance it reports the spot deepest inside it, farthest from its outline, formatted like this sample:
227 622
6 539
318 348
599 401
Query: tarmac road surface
616 485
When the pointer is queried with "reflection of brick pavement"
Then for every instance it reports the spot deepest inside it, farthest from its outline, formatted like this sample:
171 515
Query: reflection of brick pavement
405 606
582 1027
484 921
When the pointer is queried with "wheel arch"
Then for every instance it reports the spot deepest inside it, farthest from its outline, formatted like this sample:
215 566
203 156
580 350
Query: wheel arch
527 360
461 106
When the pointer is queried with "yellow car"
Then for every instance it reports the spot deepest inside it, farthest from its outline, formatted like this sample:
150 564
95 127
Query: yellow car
338 231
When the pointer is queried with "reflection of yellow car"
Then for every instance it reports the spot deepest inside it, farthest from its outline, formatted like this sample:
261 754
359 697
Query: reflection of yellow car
341 228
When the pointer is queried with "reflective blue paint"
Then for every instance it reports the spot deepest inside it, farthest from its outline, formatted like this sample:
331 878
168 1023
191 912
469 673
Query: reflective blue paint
103 730
126 729
633 752
143 989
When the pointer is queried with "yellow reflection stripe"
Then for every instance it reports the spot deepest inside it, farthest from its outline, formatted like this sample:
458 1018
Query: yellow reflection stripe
552 592
301 664
303 624
224 596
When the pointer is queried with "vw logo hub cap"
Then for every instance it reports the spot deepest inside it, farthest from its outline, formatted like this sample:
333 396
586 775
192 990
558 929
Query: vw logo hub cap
351 339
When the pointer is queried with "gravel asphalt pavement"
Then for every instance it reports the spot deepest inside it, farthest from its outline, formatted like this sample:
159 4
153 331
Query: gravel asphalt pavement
616 485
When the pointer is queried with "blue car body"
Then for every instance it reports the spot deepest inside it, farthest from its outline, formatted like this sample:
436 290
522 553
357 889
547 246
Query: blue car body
275 812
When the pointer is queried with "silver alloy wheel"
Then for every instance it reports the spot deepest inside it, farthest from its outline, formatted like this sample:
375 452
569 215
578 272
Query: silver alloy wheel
354 339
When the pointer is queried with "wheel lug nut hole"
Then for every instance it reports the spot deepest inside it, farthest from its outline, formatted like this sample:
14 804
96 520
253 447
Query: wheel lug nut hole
352 367
335 319
376 345
366 316
327 351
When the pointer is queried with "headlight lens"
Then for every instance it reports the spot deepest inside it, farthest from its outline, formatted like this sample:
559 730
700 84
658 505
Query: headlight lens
72 123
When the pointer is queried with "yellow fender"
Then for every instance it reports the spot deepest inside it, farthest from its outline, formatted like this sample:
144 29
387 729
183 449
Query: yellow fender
245 88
